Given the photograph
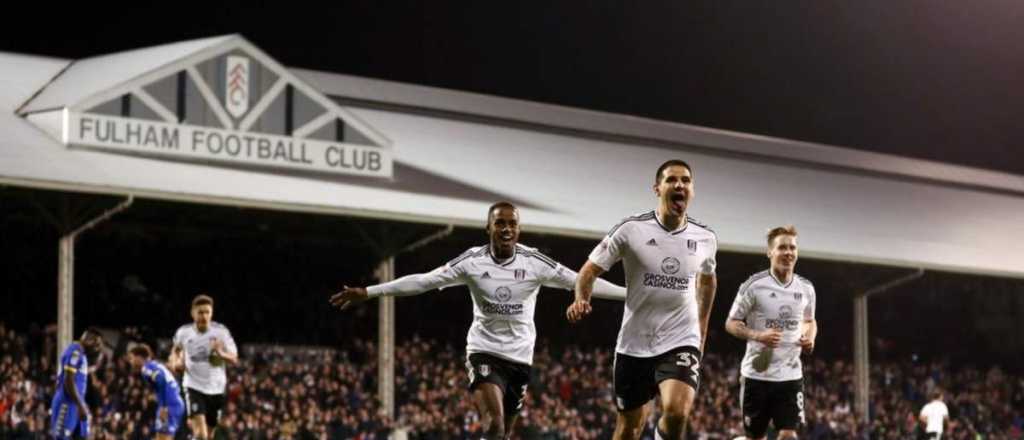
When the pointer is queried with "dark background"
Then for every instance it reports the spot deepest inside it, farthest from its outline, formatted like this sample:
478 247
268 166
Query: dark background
918 78
272 272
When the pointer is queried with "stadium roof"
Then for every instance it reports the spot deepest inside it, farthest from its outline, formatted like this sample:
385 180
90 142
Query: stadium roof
447 155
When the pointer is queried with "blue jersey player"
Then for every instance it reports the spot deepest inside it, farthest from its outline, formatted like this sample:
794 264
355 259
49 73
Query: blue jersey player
169 407
69 415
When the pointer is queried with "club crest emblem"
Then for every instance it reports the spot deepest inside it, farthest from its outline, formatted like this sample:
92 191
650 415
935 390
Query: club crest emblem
236 97
504 294
785 312
670 265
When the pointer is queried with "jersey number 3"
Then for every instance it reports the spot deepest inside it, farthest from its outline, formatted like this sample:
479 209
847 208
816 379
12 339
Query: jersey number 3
689 360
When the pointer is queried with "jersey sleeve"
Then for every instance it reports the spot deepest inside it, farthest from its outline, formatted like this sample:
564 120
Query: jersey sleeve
229 342
812 298
744 302
562 277
713 252
75 360
609 250
553 273
607 290
179 337
448 275
161 388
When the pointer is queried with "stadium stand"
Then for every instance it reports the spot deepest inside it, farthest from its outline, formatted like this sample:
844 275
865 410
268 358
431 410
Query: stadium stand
290 392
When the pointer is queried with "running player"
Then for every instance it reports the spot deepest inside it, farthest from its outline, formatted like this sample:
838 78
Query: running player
503 279
669 259
204 346
934 415
774 312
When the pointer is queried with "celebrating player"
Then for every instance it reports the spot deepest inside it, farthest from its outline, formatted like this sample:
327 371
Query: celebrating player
774 312
503 279
669 260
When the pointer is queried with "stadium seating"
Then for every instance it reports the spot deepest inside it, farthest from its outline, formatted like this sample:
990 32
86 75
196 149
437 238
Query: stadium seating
310 393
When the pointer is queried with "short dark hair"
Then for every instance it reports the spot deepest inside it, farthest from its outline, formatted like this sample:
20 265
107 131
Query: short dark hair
671 163
202 299
92 331
141 350
490 211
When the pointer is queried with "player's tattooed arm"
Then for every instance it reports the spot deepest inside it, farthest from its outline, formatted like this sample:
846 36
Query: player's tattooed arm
580 307
739 329
707 285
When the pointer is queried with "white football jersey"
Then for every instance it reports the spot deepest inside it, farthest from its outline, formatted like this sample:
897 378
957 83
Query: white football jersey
935 412
504 295
661 275
200 374
763 302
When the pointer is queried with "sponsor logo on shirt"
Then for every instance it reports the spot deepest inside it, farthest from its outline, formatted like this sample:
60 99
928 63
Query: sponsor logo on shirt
786 320
501 309
670 266
666 281
198 349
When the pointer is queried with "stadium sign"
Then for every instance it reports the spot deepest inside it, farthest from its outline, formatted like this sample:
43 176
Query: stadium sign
236 106
185 141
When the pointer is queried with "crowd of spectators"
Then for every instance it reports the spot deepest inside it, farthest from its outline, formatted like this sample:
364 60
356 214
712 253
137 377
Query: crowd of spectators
289 392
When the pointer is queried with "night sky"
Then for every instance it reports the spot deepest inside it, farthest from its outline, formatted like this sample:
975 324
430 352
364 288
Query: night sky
921 78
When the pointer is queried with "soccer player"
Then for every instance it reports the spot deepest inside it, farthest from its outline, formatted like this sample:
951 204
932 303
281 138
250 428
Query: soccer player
669 259
204 347
934 415
774 312
69 415
169 407
503 279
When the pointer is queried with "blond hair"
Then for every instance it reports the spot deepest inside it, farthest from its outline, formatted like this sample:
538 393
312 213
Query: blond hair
780 230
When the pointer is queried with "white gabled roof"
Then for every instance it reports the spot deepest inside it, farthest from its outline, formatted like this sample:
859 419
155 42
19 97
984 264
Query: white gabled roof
848 205
24 75
90 76
633 129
